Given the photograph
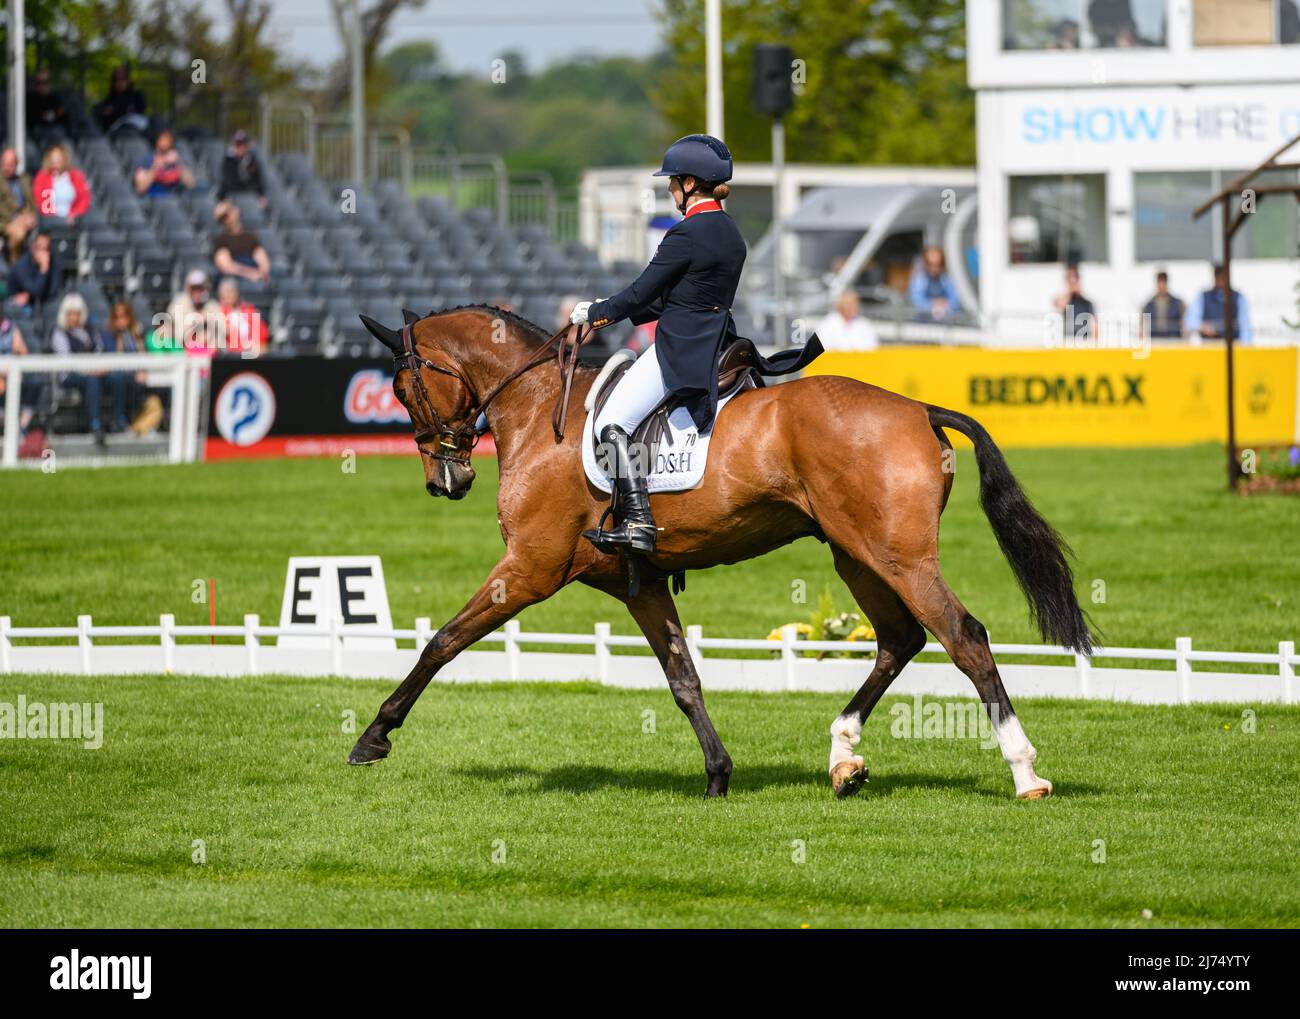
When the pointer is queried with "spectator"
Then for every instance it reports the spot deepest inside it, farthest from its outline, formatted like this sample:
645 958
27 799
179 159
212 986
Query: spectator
1163 314
236 251
245 331
13 344
241 170
1078 315
60 189
163 172
17 205
124 104
35 278
193 318
1112 23
1067 35
1208 313
46 117
931 288
844 328
124 336
73 335
567 304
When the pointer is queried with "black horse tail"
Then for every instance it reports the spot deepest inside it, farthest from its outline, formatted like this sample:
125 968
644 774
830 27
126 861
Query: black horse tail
1038 555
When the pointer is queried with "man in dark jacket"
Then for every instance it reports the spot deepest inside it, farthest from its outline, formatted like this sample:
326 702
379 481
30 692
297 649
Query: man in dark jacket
241 170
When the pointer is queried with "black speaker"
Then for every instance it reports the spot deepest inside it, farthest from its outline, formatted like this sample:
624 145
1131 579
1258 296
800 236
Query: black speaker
773 88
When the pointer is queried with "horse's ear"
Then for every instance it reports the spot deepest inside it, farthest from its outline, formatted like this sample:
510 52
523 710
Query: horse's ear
409 317
390 338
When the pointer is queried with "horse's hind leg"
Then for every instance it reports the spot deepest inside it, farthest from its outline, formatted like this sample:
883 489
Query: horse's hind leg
899 637
963 636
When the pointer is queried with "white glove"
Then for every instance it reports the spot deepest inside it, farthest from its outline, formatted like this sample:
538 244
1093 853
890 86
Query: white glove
579 316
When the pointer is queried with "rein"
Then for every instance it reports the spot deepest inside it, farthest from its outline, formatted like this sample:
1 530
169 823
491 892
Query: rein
456 444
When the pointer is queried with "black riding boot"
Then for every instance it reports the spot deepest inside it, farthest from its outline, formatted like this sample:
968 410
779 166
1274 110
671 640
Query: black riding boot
636 528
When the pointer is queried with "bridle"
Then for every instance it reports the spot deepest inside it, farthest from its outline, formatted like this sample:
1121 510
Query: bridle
456 444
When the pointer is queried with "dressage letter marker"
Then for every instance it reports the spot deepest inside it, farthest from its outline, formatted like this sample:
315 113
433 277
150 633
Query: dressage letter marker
318 589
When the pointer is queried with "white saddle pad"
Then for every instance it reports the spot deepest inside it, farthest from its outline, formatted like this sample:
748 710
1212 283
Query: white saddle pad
678 466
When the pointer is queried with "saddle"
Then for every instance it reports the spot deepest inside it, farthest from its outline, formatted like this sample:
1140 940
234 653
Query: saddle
738 369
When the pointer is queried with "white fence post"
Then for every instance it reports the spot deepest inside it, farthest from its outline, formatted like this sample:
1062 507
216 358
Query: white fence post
336 647
250 642
1285 650
83 642
602 652
695 634
5 662
1183 645
167 641
423 632
789 635
512 649
1083 666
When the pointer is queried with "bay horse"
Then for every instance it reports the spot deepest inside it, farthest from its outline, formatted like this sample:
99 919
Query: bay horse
863 469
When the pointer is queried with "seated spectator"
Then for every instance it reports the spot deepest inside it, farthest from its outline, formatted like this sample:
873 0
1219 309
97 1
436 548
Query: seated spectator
844 328
17 205
241 171
1163 314
236 251
193 317
46 117
12 344
931 288
163 172
73 335
60 189
36 277
1078 315
124 336
1208 314
124 104
245 332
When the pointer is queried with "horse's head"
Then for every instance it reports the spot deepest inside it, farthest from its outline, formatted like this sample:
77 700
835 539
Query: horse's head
440 402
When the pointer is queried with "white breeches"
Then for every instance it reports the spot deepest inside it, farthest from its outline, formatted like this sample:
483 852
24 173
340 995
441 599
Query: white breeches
635 395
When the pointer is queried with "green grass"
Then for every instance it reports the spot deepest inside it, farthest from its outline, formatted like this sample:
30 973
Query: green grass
604 825
1176 554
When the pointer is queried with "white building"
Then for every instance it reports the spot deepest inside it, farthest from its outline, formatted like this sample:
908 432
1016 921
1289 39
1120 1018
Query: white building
1103 123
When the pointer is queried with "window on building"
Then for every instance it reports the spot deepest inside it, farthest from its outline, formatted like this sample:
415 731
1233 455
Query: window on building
1162 217
1058 219
1082 24
1246 22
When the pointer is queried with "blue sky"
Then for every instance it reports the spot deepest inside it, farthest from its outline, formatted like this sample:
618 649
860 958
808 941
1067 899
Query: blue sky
471 35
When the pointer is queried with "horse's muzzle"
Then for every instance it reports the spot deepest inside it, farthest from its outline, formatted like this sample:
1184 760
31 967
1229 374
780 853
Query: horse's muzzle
451 481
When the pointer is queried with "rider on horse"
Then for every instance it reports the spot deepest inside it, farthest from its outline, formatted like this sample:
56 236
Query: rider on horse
688 286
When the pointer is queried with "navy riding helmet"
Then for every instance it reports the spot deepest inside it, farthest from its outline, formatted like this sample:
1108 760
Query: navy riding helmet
700 156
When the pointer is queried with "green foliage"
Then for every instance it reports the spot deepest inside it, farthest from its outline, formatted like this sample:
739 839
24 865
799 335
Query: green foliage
885 79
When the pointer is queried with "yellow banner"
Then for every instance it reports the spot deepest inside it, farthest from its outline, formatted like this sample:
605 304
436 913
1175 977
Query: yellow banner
1171 397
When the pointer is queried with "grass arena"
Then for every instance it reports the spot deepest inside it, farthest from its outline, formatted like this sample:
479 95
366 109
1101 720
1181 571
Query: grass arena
226 802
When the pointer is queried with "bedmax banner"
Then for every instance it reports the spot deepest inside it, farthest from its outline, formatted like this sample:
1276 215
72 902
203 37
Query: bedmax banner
1087 397
306 406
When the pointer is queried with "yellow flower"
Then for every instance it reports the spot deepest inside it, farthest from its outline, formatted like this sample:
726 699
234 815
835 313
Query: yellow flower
801 628
862 633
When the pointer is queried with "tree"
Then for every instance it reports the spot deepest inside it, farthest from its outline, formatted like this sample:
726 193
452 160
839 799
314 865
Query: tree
883 81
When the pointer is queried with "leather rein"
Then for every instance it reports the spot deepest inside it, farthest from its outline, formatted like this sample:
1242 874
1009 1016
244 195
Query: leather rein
455 445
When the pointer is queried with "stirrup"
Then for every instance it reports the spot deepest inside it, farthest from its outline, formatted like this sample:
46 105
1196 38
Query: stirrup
629 535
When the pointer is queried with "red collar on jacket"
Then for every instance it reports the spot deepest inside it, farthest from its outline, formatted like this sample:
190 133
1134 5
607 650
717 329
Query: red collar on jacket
708 205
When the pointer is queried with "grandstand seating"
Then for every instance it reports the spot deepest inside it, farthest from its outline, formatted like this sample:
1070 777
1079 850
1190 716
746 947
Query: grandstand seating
385 252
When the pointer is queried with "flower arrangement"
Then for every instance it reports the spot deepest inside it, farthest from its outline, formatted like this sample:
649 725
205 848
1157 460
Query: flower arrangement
824 623
1276 470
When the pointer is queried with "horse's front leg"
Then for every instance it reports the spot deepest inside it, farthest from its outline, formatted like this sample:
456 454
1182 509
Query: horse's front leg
508 590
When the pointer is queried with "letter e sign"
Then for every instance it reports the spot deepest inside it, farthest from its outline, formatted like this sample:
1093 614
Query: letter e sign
350 589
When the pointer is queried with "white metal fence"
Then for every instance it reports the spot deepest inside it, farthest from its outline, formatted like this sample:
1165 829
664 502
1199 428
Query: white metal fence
182 374
789 665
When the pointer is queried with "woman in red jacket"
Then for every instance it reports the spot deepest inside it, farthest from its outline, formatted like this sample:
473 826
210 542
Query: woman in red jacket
60 190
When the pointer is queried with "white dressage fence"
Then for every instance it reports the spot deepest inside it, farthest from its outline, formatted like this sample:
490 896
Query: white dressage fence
789 667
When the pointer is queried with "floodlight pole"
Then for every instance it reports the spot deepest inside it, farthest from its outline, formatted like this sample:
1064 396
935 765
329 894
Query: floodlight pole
778 222
18 83
358 97
713 67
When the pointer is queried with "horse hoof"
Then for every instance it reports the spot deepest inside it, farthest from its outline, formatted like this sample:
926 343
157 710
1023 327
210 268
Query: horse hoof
848 777
370 751
1036 792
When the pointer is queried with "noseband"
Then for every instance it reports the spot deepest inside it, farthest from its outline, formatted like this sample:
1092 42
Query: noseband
456 444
